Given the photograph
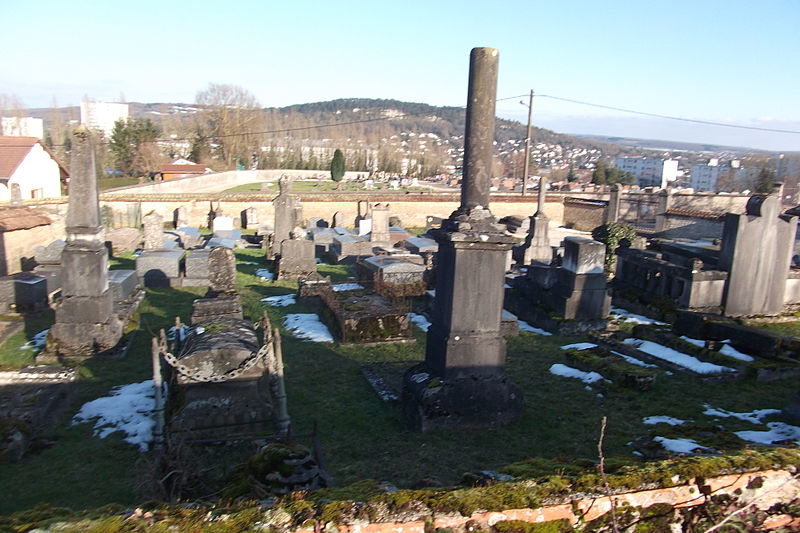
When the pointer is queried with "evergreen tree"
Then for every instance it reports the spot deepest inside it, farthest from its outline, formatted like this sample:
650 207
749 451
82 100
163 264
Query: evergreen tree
337 165
129 142
765 181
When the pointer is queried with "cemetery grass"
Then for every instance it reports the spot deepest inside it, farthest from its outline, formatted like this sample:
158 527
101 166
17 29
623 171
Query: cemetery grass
364 438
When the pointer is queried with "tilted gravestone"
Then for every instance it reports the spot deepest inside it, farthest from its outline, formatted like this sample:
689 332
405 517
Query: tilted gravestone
296 259
221 299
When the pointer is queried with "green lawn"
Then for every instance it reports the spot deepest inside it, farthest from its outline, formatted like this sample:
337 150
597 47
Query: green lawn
302 186
361 436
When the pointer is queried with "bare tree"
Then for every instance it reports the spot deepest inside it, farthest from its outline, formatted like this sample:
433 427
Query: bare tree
230 113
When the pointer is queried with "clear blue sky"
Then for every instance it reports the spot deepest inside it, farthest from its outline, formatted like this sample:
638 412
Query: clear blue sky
721 60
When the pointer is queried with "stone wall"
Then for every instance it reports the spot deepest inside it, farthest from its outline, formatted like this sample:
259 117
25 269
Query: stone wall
16 247
583 216
687 227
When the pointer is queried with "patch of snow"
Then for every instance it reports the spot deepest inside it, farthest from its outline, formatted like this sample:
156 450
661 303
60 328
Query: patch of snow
248 263
280 301
422 322
778 432
652 420
730 351
524 326
419 378
128 409
676 357
568 372
754 417
697 342
681 445
346 287
199 330
578 346
37 342
307 326
265 274
627 316
634 361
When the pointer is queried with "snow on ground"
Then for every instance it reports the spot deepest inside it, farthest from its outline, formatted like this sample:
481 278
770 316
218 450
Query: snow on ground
578 346
265 274
627 316
248 263
37 342
127 409
420 321
307 326
676 357
697 342
346 287
778 431
634 361
524 326
681 445
754 417
280 301
652 420
726 349
568 372
730 351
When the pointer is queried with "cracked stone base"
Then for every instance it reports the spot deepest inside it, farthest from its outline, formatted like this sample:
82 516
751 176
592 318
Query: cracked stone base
476 402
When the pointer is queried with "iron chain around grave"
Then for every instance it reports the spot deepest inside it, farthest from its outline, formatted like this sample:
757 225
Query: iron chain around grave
246 365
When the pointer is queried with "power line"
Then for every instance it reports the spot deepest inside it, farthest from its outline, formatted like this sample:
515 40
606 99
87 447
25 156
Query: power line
670 117
405 115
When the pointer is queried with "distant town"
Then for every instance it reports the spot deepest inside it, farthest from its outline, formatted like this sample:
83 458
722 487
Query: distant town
381 141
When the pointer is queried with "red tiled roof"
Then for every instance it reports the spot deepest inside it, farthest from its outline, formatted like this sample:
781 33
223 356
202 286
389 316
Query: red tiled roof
17 218
188 169
14 149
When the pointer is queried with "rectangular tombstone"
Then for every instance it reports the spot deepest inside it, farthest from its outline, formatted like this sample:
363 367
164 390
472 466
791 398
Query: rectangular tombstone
122 284
52 275
583 256
222 223
159 268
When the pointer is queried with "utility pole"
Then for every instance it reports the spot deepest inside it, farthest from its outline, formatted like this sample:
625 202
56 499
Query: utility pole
527 145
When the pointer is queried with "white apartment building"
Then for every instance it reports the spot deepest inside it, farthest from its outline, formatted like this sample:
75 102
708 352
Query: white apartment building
649 171
22 127
704 177
102 115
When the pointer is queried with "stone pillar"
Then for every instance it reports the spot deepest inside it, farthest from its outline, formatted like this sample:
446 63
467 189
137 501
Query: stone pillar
462 382
380 224
542 196
286 212
479 132
612 211
85 319
664 203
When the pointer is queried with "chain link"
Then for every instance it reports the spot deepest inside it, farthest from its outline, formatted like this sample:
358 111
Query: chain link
247 364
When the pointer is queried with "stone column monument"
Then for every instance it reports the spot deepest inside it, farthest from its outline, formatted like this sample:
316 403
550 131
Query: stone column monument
462 382
536 247
286 214
86 323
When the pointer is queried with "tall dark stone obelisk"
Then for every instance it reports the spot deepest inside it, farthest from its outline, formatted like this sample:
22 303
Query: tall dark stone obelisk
462 382
85 319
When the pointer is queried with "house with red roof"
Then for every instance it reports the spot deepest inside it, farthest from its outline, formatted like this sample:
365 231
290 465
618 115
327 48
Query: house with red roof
29 170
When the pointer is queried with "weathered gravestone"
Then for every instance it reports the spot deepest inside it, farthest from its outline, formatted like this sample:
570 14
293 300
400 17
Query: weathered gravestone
196 268
179 217
536 247
159 268
221 299
379 231
287 214
50 254
86 322
250 218
153 225
338 220
462 382
296 259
